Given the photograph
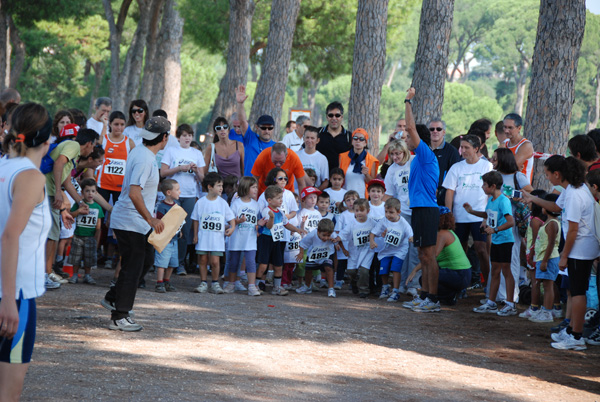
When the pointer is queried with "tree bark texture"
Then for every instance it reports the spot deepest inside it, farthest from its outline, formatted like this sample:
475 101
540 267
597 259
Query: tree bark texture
520 80
4 51
172 61
368 68
241 13
18 49
594 122
115 35
152 63
270 89
431 59
554 66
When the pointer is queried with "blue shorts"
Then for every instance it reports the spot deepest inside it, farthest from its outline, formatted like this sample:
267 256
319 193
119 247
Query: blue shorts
388 264
551 269
20 348
169 256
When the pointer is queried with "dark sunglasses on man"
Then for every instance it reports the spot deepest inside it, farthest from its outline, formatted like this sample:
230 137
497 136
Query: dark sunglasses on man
432 129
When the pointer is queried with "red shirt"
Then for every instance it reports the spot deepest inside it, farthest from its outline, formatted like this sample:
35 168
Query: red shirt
263 165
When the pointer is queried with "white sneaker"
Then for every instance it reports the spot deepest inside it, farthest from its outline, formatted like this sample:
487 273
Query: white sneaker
569 342
238 287
486 308
229 288
529 313
279 291
304 290
216 288
558 312
394 297
542 315
560 336
253 291
385 292
338 285
507 310
87 278
413 303
412 292
202 288
57 278
323 284
427 306
50 284
125 324
331 292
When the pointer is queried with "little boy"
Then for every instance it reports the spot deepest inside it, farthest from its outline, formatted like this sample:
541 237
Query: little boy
208 219
309 218
271 243
168 260
396 233
323 202
311 177
498 223
87 232
320 248
356 234
376 190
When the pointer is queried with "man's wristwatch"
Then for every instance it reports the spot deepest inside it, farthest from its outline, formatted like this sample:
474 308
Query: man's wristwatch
496 230
408 101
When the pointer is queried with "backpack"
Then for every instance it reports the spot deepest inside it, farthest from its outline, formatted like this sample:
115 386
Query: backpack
47 162
522 212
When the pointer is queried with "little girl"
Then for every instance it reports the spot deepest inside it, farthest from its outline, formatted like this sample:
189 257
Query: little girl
346 212
336 192
243 239
292 249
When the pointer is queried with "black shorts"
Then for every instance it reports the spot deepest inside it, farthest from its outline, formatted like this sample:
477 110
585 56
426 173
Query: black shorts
311 266
20 348
269 251
425 222
501 252
579 276
462 230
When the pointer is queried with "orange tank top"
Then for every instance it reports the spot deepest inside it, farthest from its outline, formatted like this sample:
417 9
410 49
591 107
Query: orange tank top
112 171
528 165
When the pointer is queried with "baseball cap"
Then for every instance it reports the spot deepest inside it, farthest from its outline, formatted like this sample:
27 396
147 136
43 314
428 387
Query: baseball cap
69 130
361 131
265 119
154 127
309 190
377 182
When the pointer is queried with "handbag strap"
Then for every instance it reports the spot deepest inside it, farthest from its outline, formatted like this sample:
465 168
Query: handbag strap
212 155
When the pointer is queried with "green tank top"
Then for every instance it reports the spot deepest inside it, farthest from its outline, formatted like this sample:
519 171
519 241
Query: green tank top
453 256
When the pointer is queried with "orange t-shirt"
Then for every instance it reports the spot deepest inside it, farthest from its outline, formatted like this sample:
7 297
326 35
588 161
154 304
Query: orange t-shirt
112 172
263 165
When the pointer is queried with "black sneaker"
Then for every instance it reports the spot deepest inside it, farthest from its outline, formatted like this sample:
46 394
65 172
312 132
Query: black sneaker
363 295
110 306
354 287
564 324
262 286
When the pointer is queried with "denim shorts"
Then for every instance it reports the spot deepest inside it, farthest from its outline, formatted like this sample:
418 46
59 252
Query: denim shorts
551 269
169 256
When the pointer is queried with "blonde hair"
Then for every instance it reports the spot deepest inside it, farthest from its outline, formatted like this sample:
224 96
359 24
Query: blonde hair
399 145
348 194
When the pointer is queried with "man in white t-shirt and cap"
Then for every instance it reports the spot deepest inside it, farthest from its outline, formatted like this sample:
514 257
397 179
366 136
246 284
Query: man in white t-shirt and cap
132 222
294 140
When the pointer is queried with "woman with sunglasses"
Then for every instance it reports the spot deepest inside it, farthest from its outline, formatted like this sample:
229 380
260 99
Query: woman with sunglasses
224 155
138 115
358 164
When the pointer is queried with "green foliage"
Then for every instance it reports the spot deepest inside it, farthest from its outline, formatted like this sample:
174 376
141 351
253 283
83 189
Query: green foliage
27 12
588 70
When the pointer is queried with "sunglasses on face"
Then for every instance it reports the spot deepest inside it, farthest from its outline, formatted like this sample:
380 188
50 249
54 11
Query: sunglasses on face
432 129
223 127
267 128
361 139
140 111
282 179
332 115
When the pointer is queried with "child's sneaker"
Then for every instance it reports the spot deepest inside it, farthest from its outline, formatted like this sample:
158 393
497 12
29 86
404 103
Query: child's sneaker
394 297
125 324
594 338
73 278
87 278
238 287
486 308
253 291
528 313
304 290
108 264
338 285
314 287
287 286
412 292
354 287
216 288
279 291
202 288
563 324
385 292
323 283
427 306
229 288
243 277
413 303
542 315
160 288
57 278
569 342
558 312
169 287
331 292
507 310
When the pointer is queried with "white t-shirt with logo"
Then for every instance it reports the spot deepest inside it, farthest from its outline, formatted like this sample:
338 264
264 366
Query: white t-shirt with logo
177 156
212 217
465 180
312 219
292 247
355 236
335 196
396 237
377 213
317 250
316 161
340 223
396 184
244 236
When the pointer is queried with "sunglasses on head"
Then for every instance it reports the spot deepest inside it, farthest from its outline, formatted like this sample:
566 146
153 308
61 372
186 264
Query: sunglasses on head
223 127
266 128
436 128
140 111
331 115
359 138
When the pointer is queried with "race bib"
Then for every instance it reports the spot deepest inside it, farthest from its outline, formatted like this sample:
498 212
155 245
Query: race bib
89 220
360 237
318 253
277 231
213 222
184 162
492 218
392 237
115 167
76 185
311 224
294 243
333 208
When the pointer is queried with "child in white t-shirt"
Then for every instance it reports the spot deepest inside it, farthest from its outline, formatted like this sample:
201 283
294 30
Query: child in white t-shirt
292 248
208 218
309 218
376 190
320 248
346 209
243 239
336 192
396 233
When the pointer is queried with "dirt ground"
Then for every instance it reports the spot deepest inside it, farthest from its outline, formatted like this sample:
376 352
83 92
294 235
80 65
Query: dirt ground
205 347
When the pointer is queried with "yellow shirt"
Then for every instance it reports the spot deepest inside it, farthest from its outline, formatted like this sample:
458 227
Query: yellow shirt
541 243
70 149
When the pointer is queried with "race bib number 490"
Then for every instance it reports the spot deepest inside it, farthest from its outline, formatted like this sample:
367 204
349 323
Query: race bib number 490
115 167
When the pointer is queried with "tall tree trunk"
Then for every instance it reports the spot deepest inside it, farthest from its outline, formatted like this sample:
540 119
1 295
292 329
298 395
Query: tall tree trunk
299 97
172 66
431 59
520 81
99 74
368 68
392 73
152 64
241 13
5 50
270 89
594 122
18 49
553 70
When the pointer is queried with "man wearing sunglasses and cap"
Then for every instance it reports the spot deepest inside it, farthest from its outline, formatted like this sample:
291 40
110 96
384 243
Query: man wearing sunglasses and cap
132 222
254 142
446 154
334 139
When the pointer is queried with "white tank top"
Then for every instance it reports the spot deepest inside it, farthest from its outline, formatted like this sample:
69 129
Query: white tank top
31 262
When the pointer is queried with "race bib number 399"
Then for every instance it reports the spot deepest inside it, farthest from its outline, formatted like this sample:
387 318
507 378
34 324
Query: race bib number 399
213 222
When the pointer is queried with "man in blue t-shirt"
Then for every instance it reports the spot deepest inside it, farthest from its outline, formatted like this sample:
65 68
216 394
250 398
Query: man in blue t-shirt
254 142
422 188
